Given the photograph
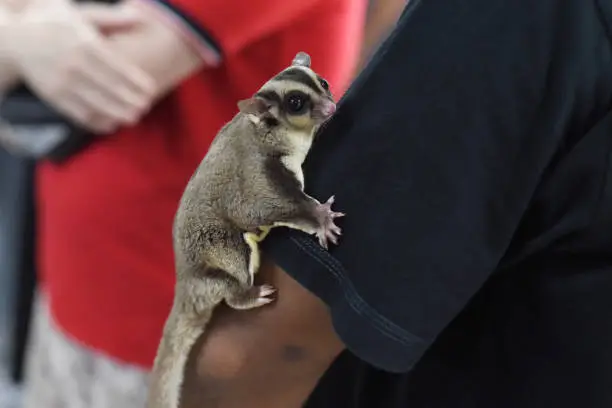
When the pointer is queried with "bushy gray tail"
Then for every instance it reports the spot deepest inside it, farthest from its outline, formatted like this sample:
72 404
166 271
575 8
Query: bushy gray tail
180 335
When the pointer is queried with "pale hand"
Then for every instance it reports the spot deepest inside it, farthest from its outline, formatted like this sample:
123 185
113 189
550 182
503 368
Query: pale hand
62 55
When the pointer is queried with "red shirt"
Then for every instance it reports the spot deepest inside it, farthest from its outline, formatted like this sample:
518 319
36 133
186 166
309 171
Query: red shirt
105 216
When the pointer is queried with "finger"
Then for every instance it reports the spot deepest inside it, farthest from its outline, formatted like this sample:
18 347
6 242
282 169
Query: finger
101 126
99 105
114 66
120 100
74 106
108 16
79 115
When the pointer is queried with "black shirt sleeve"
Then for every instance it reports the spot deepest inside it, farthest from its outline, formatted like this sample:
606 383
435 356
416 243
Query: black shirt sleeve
434 155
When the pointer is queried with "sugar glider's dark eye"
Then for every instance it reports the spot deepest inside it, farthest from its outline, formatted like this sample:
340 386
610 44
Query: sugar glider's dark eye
324 84
296 102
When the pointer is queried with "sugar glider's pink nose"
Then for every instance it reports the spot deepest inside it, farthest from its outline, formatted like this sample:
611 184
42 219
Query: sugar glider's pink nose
328 108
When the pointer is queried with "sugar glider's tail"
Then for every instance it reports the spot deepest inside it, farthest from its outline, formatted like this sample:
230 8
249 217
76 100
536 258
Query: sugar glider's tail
180 334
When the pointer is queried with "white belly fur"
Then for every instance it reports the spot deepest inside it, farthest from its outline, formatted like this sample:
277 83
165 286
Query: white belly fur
300 144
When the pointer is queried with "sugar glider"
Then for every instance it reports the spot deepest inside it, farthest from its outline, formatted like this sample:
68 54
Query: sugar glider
250 180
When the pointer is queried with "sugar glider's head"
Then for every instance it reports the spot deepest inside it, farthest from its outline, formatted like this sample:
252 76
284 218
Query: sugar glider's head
297 98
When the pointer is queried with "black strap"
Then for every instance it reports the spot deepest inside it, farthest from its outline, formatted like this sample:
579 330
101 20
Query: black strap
22 107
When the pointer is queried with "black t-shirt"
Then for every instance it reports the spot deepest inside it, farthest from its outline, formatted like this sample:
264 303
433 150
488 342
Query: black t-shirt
472 158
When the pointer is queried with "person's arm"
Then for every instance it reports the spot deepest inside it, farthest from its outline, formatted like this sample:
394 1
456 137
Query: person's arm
164 45
291 343
181 37
434 155
62 58
382 17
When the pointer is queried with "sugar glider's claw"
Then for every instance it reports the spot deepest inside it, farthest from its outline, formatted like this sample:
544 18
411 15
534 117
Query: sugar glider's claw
262 302
256 296
328 229
266 290
322 239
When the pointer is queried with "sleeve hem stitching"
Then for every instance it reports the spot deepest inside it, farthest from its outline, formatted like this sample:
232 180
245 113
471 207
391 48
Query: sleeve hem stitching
356 302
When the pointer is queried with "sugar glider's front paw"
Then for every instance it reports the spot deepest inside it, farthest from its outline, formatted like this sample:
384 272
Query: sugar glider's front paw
256 296
328 230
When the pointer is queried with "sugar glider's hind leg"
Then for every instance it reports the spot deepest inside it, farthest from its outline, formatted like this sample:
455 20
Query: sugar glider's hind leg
239 260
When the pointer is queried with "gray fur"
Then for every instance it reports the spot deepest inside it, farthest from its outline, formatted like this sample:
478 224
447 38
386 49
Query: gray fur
249 179
302 59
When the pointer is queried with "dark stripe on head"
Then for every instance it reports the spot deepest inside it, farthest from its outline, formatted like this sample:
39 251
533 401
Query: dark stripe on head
271 96
298 75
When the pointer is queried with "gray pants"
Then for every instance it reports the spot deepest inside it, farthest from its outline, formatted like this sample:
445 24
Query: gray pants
62 373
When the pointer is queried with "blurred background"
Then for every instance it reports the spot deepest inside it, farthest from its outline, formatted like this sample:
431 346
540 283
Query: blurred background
38 144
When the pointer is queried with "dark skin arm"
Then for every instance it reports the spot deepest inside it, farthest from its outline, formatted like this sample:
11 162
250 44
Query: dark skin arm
383 16
270 357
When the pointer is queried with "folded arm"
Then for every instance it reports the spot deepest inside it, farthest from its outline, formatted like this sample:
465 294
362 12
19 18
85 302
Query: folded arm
161 46
180 37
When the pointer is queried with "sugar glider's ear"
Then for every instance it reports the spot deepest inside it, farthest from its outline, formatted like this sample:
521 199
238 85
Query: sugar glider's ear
301 59
254 106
